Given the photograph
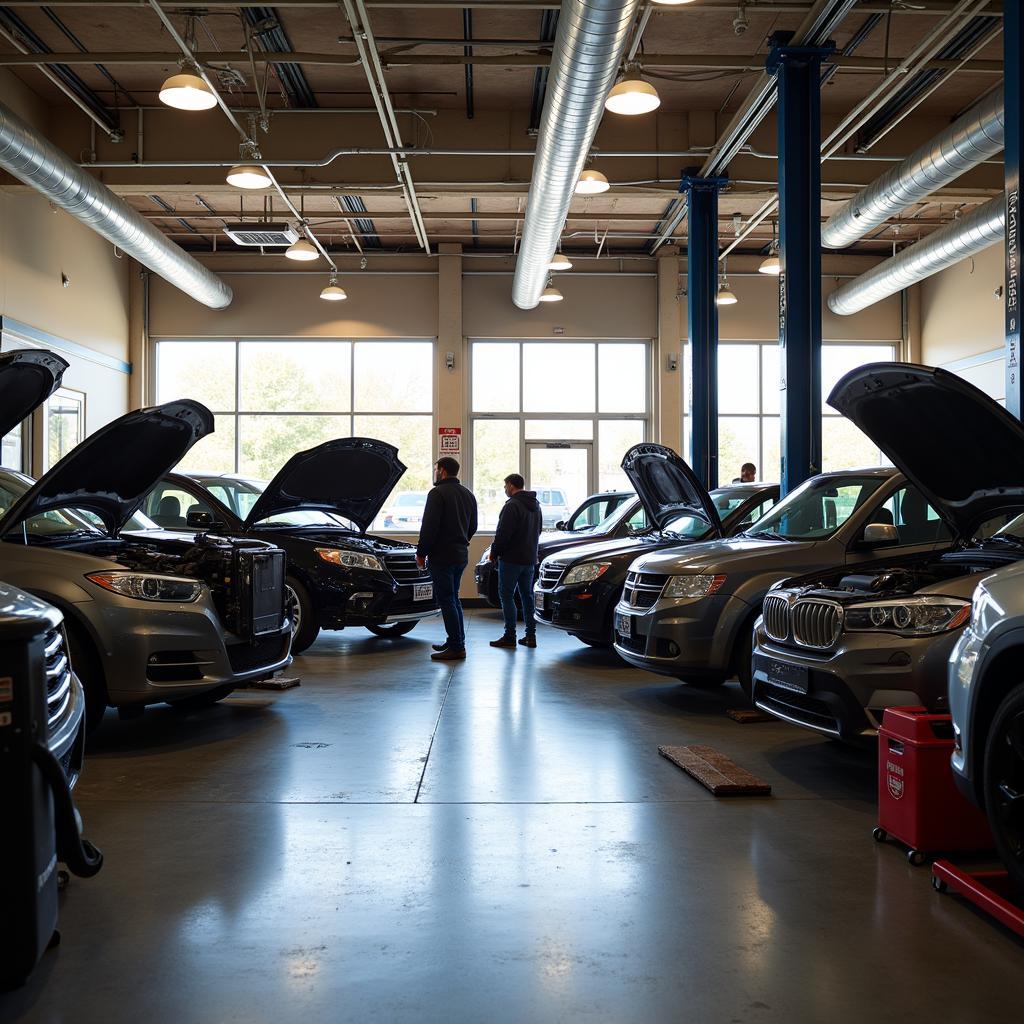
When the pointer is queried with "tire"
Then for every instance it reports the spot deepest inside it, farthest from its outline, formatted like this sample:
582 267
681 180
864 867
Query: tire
305 628
395 629
86 663
200 701
1003 777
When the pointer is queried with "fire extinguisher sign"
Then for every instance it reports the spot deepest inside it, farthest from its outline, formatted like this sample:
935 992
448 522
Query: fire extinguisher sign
449 441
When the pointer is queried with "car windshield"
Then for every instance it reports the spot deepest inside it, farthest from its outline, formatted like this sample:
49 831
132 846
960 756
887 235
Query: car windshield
240 495
56 523
687 526
817 508
597 513
728 499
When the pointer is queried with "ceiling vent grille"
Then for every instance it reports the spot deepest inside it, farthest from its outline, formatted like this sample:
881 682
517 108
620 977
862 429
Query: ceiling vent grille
261 233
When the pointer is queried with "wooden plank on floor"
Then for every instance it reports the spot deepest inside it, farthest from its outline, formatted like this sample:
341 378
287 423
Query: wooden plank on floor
716 772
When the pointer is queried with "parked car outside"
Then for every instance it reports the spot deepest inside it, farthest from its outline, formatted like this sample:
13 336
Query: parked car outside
405 511
554 506
65 699
835 648
602 516
150 616
577 590
318 509
690 613
986 701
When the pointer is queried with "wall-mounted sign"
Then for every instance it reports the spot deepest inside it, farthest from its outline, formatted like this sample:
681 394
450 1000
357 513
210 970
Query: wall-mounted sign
449 441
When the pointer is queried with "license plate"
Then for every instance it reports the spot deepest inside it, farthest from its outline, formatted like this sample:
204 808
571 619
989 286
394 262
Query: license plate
624 624
539 598
423 592
788 677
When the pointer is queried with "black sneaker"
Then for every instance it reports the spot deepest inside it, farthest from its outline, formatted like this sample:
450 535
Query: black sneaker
506 640
440 647
529 640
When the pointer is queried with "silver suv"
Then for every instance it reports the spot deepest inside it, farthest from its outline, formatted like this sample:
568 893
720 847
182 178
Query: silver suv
986 699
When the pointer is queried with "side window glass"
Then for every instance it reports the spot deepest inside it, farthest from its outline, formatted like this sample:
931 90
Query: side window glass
915 520
171 505
638 520
756 512
223 495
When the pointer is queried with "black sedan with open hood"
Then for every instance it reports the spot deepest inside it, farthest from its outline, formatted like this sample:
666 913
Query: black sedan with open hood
577 590
837 647
318 508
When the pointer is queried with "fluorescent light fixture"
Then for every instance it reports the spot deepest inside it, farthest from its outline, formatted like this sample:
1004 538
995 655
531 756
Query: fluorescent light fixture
186 91
334 292
592 183
248 176
560 262
302 250
770 265
551 294
632 95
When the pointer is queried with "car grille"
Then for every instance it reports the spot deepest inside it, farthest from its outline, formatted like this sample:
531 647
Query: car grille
58 675
642 589
816 623
404 569
550 574
249 657
776 617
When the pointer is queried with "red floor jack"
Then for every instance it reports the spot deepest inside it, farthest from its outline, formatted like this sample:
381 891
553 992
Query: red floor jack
990 891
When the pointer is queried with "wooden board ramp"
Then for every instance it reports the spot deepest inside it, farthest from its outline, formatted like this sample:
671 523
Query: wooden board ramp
276 683
747 716
716 772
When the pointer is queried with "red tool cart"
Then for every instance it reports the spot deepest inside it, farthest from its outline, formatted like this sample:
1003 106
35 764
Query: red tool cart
918 802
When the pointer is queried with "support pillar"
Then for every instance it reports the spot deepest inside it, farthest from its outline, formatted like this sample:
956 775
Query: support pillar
702 323
1013 80
450 355
798 69
669 369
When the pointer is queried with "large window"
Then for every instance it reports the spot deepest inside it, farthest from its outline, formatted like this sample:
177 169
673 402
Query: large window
748 408
271 399
561 413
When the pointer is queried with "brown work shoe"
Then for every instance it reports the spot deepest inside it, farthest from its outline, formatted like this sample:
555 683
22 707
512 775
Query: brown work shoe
449 654
529 640
505 640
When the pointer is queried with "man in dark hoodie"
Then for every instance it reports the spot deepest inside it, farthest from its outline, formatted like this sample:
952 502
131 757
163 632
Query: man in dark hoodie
515 550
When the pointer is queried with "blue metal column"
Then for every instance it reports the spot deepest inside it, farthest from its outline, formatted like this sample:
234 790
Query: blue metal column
1013 51
799 129
702 322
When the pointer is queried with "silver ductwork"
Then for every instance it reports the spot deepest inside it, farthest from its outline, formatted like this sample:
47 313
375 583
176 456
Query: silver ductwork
941 249
36 162
591 37
975 137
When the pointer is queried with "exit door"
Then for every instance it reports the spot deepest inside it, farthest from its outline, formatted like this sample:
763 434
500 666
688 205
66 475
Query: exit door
562 474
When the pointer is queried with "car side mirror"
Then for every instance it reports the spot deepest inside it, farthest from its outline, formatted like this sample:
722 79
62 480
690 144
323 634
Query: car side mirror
560 525
879 534
198 520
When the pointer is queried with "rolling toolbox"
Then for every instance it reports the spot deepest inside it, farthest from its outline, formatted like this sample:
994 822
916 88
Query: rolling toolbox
40 823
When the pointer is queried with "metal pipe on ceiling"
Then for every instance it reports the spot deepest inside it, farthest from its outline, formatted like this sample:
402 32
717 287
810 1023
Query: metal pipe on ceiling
38 163
973 138
589 43
964 237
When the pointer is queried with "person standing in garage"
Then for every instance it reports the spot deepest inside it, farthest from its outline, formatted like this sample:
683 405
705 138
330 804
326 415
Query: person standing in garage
449 522
515 550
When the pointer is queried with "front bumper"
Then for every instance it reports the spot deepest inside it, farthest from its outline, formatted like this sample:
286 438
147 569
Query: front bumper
364 598
849 686
582 611
685 638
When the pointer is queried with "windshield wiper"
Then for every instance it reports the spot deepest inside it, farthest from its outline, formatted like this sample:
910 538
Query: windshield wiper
763 535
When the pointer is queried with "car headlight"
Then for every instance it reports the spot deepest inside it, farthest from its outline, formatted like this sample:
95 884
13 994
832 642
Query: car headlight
148 587
914 616
693 586
349 559
585 573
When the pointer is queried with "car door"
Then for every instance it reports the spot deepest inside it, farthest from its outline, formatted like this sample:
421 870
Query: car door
919 526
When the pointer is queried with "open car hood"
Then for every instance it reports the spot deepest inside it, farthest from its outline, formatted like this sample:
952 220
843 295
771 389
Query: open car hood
351 476
111 472
963 450
667 487
27 379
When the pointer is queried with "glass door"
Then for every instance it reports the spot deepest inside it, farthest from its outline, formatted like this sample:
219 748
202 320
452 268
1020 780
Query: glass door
562 474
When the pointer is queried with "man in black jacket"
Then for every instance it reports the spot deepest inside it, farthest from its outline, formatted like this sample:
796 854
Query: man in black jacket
449 522
515 550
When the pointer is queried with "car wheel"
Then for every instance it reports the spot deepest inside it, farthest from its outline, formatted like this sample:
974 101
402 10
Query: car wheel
86 664
1004 783
395 629
300 610
200 700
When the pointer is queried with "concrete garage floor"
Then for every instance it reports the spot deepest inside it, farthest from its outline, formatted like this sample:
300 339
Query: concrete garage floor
494 840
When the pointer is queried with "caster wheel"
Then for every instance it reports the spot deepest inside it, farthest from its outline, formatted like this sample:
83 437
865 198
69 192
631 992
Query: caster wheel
916 857
939 885
879 835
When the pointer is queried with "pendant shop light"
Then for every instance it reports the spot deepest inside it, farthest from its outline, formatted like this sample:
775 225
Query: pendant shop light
187 91
248 176
334 292
726 296
672 3
551 294
560 262
770 264
632 95
592 183
302 250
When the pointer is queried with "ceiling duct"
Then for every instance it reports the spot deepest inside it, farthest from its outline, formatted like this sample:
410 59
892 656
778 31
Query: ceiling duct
261 233
36 162
589 42
971 139
941 249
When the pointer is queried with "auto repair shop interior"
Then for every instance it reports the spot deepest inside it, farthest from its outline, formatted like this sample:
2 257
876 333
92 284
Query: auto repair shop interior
734 285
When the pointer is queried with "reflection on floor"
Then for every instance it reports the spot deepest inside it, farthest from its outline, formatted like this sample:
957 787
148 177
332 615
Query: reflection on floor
494 840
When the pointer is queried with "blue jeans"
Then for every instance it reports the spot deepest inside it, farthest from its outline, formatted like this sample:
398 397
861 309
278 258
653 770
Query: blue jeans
510 578
447 579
